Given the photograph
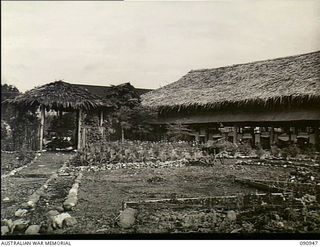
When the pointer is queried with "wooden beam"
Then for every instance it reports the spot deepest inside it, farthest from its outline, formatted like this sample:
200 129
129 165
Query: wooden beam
79 129
232 118
42 116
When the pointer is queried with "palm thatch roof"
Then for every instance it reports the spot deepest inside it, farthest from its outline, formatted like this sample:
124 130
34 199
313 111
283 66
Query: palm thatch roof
58 95
281 80
103 91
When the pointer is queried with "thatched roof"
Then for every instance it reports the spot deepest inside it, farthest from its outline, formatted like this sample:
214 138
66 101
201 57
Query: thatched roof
281 80
58 95
102 91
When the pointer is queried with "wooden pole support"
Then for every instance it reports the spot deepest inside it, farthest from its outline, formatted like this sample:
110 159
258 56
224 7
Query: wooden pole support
79 129
101 118
235 134
42 116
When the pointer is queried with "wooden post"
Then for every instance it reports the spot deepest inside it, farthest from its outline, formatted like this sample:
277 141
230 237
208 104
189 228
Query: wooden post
257 136
42 116
317 137
79 130
101 118
122 134
271 136
235 134
253 140
83 137
100 123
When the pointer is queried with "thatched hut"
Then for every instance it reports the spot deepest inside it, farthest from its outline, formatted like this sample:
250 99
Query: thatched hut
59 96
282 92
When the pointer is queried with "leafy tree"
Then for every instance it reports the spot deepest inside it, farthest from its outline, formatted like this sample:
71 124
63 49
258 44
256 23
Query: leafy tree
128 119
21 125
7 92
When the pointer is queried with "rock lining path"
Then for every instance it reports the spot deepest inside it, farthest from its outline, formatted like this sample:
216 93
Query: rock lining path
25 182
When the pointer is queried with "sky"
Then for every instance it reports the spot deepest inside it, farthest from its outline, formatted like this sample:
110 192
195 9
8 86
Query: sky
147 43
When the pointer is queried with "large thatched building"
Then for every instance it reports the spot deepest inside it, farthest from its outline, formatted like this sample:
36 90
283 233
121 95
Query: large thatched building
263 102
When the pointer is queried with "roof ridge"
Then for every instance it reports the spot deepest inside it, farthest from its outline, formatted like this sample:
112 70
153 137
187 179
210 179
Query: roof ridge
255 62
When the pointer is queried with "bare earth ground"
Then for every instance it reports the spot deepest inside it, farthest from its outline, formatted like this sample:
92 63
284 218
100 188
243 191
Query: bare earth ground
102 193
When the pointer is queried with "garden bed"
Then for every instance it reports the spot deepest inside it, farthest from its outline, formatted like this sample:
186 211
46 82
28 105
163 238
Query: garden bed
258 220
102 192
15 191
13 160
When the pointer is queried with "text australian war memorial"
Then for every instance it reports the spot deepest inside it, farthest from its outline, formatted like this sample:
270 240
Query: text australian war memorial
263 103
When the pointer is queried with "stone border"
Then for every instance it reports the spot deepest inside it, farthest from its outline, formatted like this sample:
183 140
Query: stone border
134 165
72 198
278 163
282 186
8 152
23 225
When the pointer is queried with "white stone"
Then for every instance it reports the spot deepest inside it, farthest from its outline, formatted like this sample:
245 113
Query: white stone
8 223
4 230
127 217
71 221
70 202
6 199
231 215
31 204
52 213
33 230
59 209
21 212
57 221
20 224
280 224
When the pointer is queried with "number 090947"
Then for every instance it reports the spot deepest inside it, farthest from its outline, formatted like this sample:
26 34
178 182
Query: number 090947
308 243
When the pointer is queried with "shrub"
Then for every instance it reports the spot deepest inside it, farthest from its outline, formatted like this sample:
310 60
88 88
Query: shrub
93 135
291 151
25 155
137 151
219 146
260 152
275 151
245 148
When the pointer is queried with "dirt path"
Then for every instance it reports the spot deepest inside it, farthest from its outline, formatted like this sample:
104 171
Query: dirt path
17 188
